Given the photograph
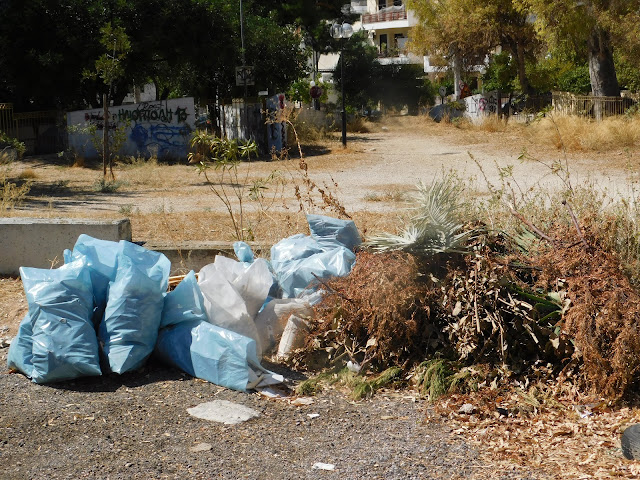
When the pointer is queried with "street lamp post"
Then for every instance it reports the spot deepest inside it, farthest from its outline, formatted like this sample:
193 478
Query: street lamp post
342 31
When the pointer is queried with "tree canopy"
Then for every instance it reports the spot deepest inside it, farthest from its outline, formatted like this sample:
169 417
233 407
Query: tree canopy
186 47
464 32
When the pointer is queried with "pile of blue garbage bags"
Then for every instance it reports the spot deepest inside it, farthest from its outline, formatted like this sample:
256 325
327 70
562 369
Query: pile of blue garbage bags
107 309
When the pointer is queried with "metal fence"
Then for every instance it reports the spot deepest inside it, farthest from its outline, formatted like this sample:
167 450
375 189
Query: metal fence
41 132
589 106
7 124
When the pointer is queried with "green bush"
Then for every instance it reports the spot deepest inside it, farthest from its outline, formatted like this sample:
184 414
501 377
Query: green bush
7 141
576 80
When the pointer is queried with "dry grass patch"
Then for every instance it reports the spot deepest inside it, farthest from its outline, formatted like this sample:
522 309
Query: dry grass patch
28 174
584 134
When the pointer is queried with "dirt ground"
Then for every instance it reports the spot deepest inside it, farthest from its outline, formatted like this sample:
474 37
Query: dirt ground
136 426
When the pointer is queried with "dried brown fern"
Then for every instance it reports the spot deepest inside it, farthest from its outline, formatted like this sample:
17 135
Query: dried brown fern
604 318
380 315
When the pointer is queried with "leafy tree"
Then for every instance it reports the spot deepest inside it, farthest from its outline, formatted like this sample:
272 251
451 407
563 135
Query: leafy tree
109 68
367 82
454 30
501 73
360 69
313 18
557 72
628 74
465 31
593 27
44 47
575 80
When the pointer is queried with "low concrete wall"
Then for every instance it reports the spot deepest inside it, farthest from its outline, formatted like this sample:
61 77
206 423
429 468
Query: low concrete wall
186 256
39 242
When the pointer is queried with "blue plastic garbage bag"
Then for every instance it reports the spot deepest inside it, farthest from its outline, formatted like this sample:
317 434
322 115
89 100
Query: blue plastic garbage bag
243 252
209 352
64 343
101 257
299 261
129 329
184 303
293 248
19 357
299 276
329 231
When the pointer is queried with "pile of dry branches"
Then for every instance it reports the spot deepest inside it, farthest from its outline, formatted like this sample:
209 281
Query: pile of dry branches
568 308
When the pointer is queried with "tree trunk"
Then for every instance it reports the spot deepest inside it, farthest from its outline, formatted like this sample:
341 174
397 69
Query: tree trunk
602 71
522 72
456 66
105 135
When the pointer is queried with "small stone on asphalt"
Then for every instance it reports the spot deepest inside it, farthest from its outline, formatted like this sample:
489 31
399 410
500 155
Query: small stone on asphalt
201 447
223 411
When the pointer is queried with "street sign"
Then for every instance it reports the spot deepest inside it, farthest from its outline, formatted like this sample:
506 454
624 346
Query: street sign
442 91
244 76
315 91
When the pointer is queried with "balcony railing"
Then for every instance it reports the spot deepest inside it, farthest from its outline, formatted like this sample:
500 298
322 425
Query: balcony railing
386 15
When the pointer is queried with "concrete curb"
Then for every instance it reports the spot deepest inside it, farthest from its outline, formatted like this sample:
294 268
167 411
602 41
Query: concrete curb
193 255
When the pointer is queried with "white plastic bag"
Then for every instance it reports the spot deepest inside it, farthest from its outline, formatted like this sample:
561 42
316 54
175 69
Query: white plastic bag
271 321
234 293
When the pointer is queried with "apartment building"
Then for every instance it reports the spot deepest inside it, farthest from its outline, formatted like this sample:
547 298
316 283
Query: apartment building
387 23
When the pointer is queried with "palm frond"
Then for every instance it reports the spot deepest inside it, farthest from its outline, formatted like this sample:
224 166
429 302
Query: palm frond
434 228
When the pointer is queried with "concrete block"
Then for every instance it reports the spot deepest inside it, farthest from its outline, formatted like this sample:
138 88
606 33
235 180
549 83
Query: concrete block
193 255
39 242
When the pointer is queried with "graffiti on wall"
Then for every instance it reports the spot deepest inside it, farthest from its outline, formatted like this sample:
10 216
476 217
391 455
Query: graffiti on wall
149 112
160 140
478 106
160 128
97 119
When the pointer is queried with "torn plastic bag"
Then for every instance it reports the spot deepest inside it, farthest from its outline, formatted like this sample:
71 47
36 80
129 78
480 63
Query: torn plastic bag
212 353
129 329
272 319
235 293
184 303
64 343
19 357
299 276
328 231
101 257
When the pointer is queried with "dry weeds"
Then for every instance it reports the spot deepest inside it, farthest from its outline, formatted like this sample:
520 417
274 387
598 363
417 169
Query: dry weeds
604 317
584 134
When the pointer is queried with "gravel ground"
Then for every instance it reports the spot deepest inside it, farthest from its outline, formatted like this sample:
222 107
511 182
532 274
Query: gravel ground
136 426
